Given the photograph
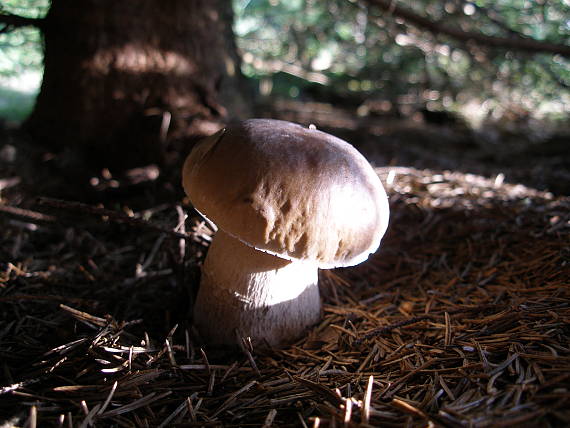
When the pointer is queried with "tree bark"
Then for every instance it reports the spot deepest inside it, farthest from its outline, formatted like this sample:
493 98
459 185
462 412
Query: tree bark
120 74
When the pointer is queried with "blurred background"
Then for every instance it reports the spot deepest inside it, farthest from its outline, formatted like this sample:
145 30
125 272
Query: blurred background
478 85
375 61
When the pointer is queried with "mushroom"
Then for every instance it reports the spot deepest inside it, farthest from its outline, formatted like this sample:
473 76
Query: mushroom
287 200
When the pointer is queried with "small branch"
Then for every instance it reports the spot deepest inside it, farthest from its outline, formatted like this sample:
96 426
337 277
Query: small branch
526 44
32 216
9 22
116 216
493 17
276 65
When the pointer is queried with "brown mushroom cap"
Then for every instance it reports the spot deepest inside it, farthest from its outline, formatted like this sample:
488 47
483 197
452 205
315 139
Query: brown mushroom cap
291 191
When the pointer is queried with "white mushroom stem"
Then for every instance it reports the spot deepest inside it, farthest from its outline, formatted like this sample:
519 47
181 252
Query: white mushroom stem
245 292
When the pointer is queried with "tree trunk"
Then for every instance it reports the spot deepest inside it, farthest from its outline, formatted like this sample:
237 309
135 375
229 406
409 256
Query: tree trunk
120 74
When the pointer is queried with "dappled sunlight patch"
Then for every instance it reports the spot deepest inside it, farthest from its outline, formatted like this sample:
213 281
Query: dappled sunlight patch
447 189
135 59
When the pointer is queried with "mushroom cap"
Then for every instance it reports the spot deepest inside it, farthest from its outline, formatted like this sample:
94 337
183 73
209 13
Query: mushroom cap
294 192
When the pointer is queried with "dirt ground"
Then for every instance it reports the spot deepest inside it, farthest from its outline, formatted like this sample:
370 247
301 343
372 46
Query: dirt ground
462 318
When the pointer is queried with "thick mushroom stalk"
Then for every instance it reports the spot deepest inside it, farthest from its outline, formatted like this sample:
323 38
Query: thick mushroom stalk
287 200
245 292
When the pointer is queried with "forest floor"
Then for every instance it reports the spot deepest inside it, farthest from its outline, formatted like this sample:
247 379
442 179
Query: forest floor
462 318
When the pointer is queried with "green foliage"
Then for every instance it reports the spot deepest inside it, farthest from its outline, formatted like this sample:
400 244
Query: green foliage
15 105
20 49
21 60
365 51
27 8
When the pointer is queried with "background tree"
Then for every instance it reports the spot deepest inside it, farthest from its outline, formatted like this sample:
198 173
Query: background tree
120 75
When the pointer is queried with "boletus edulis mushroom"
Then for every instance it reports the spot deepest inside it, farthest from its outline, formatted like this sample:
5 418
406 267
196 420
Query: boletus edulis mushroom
287 200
